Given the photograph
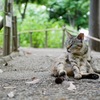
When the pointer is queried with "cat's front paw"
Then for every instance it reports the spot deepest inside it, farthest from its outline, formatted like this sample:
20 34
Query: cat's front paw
62 73
77 76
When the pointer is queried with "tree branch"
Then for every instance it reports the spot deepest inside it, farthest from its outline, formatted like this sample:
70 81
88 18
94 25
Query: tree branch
23 14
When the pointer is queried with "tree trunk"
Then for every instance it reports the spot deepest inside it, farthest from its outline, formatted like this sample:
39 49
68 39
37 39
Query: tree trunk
94 23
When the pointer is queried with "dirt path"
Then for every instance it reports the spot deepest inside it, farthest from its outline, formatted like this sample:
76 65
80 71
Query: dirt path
36 63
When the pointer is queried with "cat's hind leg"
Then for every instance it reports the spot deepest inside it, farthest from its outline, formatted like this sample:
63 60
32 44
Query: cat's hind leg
59 70
54 72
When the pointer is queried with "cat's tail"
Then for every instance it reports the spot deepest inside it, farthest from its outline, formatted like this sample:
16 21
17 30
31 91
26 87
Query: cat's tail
93 76
59 80
90 76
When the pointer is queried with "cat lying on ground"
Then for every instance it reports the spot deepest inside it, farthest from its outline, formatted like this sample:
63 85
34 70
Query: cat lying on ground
76 62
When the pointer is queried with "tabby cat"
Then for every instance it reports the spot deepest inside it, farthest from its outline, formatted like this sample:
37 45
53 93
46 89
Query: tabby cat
76 61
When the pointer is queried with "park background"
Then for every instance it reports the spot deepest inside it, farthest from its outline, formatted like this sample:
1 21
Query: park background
41 24
47 14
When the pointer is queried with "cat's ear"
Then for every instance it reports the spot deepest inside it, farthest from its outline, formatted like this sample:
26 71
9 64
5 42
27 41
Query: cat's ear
68 34
81 36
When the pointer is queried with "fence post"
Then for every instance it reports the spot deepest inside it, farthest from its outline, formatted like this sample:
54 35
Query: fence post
7 26
14 34
63 36
18 39
46 39
31 39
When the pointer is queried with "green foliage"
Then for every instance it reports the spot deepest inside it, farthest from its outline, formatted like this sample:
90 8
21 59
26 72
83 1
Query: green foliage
37 19
20 1
31 1
1 38
55 39
45 14
74 12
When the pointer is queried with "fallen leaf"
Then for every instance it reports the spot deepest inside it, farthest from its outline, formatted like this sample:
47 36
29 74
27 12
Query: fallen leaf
33 82
11 94
72 86
1 71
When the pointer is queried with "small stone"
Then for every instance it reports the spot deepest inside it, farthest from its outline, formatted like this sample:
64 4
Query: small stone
11 94
1 71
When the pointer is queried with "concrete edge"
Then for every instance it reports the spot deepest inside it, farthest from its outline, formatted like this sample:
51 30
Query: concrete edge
5 59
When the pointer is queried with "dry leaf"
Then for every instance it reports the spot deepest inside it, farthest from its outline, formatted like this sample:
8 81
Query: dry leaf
11 94
71 87
33 82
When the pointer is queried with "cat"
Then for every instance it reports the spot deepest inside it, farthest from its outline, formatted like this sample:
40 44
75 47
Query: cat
76 61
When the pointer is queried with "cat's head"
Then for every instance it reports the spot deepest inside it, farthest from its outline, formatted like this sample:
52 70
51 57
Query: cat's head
74 43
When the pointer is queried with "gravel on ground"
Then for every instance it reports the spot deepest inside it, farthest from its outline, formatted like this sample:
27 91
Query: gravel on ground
28 77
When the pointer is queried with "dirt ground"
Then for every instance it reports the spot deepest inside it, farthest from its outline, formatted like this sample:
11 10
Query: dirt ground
28 77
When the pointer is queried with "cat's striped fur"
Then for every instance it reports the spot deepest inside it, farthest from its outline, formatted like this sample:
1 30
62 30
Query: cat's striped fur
76 61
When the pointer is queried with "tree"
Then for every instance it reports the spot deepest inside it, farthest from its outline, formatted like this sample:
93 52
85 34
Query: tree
25 2
74 12
19 7
94 23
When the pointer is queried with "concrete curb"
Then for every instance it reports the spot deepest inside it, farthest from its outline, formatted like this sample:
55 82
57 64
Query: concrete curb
9 57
